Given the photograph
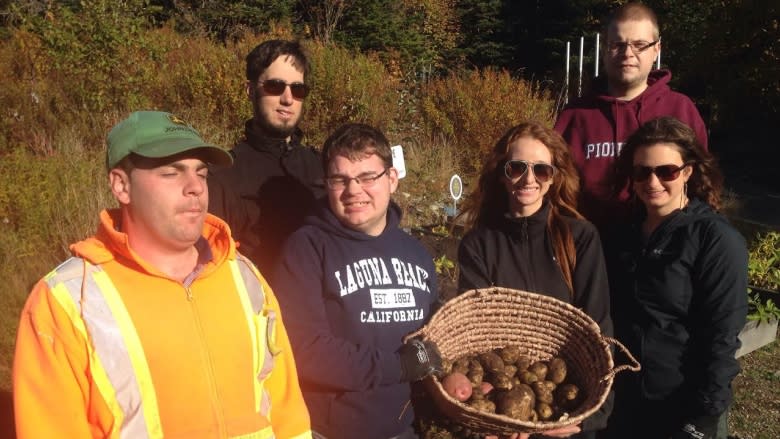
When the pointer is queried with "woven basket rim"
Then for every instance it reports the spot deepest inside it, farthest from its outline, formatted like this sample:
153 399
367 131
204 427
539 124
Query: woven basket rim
497 423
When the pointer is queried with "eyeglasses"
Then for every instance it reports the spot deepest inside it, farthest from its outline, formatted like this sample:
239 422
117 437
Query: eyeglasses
636 46
663 172
543 172
275 87
340 182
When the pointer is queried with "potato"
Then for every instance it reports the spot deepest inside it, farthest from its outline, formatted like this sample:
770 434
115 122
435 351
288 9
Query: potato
502 382
557 370
517 403
509 354
446 367
522 363
457 385
539 369
510 369
485 387
483 405
566 395
544 410
543 391
475 377
528 377
491 362
461 365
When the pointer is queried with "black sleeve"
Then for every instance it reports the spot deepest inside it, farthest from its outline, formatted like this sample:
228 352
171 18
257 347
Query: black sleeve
225 202
591 290
472 270
718 311
591 285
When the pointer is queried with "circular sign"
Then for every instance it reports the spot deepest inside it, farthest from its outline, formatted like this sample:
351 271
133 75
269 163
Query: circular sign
456 187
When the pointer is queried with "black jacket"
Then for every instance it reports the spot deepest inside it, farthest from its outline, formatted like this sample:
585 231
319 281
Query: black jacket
267 193
517 253
679 301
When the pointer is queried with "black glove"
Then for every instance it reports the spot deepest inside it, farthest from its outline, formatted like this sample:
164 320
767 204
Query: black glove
419 359
701 427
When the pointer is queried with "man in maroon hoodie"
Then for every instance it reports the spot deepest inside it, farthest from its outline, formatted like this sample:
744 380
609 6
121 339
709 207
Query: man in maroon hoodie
596 125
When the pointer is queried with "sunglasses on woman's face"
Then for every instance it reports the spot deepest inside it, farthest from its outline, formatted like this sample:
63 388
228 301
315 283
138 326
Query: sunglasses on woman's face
663 172
514 169
275 87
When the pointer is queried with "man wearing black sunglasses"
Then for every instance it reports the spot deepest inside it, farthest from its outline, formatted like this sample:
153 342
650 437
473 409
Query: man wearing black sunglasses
275 180
628 95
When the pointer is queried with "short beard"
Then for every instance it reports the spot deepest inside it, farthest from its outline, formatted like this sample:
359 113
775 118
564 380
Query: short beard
273 131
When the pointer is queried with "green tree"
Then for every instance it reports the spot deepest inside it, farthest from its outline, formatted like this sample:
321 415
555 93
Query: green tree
223 19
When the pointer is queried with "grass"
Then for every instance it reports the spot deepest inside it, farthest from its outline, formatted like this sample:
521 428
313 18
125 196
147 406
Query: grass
755 413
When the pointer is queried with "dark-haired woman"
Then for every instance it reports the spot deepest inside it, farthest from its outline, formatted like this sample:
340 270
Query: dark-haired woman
679 282
525 232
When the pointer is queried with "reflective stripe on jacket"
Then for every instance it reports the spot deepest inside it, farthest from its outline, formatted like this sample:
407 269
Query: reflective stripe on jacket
108 346
119 366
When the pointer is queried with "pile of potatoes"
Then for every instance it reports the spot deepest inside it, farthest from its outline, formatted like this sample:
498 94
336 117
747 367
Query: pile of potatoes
506 382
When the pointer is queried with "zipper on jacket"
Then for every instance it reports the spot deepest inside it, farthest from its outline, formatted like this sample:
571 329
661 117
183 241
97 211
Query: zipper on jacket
216 403
525 242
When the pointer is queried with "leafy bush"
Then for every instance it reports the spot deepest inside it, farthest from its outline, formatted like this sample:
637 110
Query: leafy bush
760 311
764 261
475 108
348 87
46 202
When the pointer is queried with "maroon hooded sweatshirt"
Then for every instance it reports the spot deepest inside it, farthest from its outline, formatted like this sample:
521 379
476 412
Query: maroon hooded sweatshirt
597 125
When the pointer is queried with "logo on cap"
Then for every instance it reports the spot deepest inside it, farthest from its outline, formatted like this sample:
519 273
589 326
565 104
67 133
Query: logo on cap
176 120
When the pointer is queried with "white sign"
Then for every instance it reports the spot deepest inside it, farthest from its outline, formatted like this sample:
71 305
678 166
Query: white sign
456 187
398 160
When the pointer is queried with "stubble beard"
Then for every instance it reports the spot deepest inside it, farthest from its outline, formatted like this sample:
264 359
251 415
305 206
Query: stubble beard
262 120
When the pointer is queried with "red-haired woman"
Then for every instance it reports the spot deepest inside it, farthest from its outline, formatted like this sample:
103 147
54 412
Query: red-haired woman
525 233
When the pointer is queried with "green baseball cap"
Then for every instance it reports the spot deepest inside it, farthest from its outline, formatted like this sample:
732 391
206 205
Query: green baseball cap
157 134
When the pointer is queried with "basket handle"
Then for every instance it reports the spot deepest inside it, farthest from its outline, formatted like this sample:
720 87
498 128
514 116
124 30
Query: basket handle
634 365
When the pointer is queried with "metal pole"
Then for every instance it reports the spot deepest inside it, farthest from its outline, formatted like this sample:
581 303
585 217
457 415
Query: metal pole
566 83
596 65
658 61
579 83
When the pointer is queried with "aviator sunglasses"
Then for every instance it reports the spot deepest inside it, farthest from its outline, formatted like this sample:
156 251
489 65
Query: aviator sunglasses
275 87
663 172
517 168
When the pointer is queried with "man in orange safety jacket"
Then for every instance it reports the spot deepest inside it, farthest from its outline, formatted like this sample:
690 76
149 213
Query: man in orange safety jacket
156 327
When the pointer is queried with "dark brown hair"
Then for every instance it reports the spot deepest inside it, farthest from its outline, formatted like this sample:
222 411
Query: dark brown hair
264 54
355 141
706 182
489 203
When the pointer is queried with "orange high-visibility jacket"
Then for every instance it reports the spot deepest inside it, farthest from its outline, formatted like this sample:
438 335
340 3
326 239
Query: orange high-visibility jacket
110 347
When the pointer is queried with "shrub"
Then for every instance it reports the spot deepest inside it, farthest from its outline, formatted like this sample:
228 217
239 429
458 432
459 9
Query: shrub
764 261
348 87
473 109
46 202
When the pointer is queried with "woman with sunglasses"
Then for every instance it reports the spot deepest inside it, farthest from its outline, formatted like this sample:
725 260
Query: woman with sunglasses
525 233
679 282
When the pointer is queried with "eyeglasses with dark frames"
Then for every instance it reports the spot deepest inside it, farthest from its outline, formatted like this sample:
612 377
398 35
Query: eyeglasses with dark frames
339 182
663 172
514 169
636 46
275 87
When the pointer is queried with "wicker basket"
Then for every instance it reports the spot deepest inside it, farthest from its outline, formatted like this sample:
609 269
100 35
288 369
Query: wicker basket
543 327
